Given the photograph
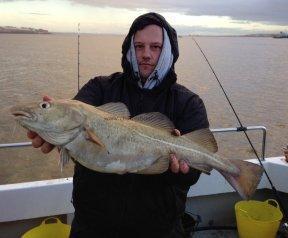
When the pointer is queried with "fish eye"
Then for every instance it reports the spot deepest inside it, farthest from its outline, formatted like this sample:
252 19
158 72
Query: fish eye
44 105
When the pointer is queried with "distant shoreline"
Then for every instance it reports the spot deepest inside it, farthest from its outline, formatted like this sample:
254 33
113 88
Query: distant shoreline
22 30
23 33
25 30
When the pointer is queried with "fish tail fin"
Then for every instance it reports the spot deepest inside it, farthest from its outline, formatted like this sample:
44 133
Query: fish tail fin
246 181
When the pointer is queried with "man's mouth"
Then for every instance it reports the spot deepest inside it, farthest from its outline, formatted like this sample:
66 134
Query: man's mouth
146 64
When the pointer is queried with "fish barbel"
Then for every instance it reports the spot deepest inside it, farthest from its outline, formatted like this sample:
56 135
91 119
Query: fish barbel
106 139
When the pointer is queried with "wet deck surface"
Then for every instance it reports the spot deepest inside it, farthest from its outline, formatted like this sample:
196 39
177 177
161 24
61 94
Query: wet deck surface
224 234
215 234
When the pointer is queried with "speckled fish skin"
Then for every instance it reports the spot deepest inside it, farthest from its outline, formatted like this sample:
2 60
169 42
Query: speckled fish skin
113 143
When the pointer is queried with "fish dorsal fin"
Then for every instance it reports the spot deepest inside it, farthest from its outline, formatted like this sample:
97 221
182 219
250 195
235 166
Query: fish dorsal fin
204 138
116 108
155 119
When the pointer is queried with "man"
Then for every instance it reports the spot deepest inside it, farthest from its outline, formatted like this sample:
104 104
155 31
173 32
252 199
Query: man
132 205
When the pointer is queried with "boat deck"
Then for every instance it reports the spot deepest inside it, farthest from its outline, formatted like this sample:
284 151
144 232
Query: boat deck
215 234
229 234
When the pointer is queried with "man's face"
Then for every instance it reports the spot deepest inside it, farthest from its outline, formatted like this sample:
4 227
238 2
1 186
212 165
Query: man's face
148 45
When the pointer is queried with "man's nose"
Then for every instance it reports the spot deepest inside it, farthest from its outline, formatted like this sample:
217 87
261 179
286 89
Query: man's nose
146 52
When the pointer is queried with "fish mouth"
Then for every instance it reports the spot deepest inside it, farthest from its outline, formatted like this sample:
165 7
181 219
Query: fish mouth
23 115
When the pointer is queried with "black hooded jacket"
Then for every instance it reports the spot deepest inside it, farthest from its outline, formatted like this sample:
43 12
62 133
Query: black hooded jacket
132 205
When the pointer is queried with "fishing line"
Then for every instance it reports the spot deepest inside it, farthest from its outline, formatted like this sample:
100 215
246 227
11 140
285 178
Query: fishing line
242 128
14 129
78 54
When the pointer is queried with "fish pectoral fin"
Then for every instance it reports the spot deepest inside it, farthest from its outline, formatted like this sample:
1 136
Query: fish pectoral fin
116 108
64 157
91 136
158 167
204 138
155 119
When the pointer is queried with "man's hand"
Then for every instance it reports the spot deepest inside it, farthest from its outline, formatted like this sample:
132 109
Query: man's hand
37 141
177 166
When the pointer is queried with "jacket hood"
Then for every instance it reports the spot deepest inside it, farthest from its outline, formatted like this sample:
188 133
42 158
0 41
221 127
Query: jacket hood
140 23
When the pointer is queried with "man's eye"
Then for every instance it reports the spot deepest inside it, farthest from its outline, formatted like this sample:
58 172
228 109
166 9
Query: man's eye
156 47
138 46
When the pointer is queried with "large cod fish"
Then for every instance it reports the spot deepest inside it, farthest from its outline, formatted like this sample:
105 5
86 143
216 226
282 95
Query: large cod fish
106 139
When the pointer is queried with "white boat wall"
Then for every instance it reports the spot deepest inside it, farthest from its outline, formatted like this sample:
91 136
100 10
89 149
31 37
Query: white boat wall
25 205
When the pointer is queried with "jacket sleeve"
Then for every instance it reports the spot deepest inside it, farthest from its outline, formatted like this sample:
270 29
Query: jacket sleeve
91 93
192 117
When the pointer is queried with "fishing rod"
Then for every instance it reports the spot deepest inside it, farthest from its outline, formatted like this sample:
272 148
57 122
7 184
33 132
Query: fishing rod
242 128
78 53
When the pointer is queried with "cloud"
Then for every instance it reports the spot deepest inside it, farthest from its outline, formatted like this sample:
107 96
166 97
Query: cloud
37 13
264 11
267 11
19 0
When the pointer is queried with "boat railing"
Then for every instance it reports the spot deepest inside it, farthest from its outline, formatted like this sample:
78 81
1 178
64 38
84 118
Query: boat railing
19 144
248 128
216 130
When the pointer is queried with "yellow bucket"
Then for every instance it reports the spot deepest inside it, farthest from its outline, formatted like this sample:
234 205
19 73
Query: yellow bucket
258 219
49 230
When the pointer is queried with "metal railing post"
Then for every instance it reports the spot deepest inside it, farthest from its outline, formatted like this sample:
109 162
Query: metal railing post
20 144
217 130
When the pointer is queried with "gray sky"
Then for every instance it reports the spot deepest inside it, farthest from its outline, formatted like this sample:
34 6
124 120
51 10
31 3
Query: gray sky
268 11
115 16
